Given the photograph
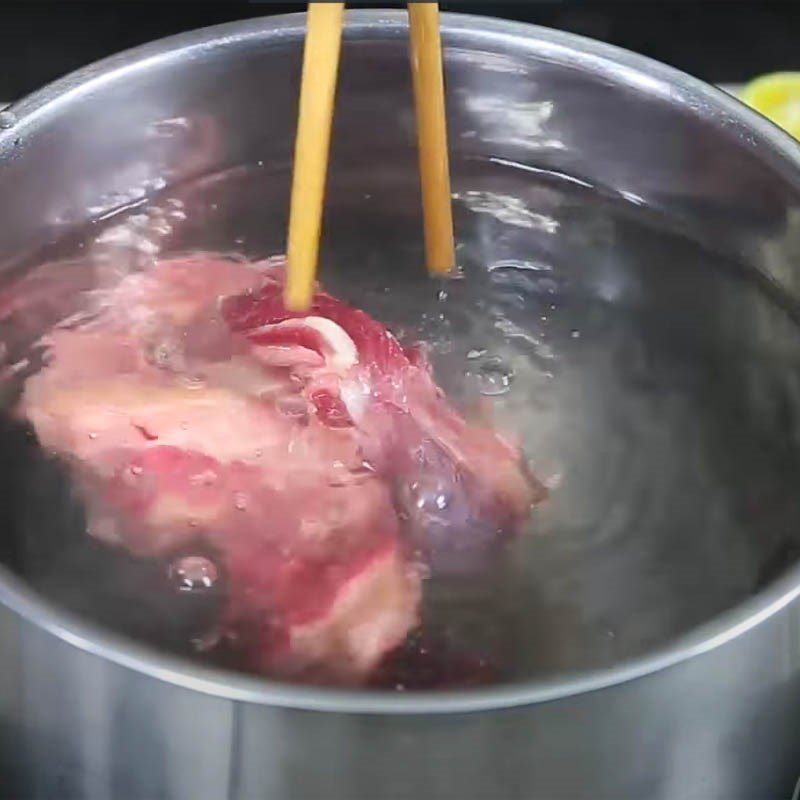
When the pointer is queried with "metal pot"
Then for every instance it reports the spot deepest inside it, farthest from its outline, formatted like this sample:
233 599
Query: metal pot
701 701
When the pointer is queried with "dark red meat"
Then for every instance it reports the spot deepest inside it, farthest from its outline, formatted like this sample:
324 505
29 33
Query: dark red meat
310 451
459 485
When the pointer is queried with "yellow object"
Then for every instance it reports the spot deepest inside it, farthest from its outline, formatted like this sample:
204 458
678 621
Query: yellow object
426 65
777 97
317 93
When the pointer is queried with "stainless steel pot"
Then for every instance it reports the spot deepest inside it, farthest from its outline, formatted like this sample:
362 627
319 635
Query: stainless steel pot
701 703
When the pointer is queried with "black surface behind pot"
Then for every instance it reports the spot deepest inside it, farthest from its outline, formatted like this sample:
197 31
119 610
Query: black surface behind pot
720 42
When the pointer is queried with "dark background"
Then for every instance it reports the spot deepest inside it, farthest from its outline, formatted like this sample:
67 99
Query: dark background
718 40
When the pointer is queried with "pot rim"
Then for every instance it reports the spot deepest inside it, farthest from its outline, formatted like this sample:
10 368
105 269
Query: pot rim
617 64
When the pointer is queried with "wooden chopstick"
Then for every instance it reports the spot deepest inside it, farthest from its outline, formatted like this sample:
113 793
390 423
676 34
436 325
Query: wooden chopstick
317 93
434 169
312 145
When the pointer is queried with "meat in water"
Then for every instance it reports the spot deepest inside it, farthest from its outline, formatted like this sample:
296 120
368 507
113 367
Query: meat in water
310 451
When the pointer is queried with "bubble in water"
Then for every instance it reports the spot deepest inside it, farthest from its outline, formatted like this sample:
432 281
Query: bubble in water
7 119
161 354
292 405
575 333
169 127
492 376
437 512
193 574
425 498
208 477
421 570
192 381
208 641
